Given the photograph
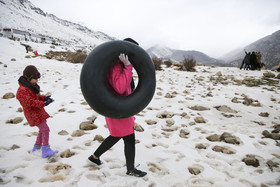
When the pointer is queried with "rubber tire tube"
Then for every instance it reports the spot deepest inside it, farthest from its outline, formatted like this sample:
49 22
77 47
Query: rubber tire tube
94 74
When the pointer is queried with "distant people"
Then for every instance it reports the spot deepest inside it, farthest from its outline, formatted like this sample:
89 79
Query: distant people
246 61
259 60
278 69
26 47
253 61
36 53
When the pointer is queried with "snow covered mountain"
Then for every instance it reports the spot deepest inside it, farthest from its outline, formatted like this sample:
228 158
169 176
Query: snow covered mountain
178 55
23 15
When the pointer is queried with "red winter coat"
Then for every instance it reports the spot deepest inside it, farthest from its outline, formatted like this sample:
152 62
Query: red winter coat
32 104
119 79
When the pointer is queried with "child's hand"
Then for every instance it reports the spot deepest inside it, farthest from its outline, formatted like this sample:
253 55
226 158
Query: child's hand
124 59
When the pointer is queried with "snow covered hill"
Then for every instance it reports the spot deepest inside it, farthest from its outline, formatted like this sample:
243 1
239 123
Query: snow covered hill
23 15
178 56
213 127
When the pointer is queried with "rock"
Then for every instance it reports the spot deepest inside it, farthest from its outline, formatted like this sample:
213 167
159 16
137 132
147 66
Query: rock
165 114
225 135
276 129
84 103
194 171
66 154
62 110
88 143
170 122
192 123
227 151
199 119
8 95
138 128
217 148
274 136
250 160
63 133
87 125
261 123
200 146
228 115
151 122
264 114
222 150
98 138
247 101
199 108
266 134
214 138
13 59
269 75
229 138
225 108
168 95
235 100
15 147
219 73
92 118
272 164
19 109
278 76
78 133
184 133
15 120
56 168
185 115
232 140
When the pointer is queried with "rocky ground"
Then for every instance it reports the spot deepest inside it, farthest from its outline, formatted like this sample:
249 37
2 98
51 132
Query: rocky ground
217 126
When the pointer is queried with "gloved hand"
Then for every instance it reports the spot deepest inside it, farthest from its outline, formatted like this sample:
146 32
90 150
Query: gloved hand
124 59
48 100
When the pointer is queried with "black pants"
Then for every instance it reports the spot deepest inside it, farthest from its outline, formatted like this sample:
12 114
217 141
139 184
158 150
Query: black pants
129 148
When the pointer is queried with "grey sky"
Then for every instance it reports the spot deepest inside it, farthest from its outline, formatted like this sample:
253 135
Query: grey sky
214 27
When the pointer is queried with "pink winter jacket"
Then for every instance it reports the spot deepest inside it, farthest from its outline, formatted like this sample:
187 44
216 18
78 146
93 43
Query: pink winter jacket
119 79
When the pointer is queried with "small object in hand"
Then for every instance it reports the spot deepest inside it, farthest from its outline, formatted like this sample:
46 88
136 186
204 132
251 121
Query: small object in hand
48 101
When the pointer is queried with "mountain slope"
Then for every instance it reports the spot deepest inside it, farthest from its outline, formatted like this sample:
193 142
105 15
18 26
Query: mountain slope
23 15
178 55
269 47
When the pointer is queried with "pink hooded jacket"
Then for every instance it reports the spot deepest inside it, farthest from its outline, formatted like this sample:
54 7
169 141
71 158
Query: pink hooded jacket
119 79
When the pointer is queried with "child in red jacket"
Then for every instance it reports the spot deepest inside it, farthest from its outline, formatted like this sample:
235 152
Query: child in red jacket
33 104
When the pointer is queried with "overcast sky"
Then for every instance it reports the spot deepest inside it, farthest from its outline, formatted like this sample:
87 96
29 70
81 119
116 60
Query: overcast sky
214 27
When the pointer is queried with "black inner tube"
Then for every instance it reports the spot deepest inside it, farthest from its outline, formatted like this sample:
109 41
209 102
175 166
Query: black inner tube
94 74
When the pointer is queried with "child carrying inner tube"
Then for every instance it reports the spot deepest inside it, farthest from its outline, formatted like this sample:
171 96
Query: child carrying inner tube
120 82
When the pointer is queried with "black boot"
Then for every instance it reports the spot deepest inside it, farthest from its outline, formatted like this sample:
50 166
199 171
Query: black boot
94 160
136 173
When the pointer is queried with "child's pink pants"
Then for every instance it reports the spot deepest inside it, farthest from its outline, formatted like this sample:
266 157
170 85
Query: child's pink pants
43 135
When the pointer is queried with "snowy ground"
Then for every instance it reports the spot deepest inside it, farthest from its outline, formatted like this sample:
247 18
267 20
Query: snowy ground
167 149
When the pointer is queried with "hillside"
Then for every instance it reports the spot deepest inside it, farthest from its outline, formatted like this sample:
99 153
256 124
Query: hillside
269 47
23 15
178 55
